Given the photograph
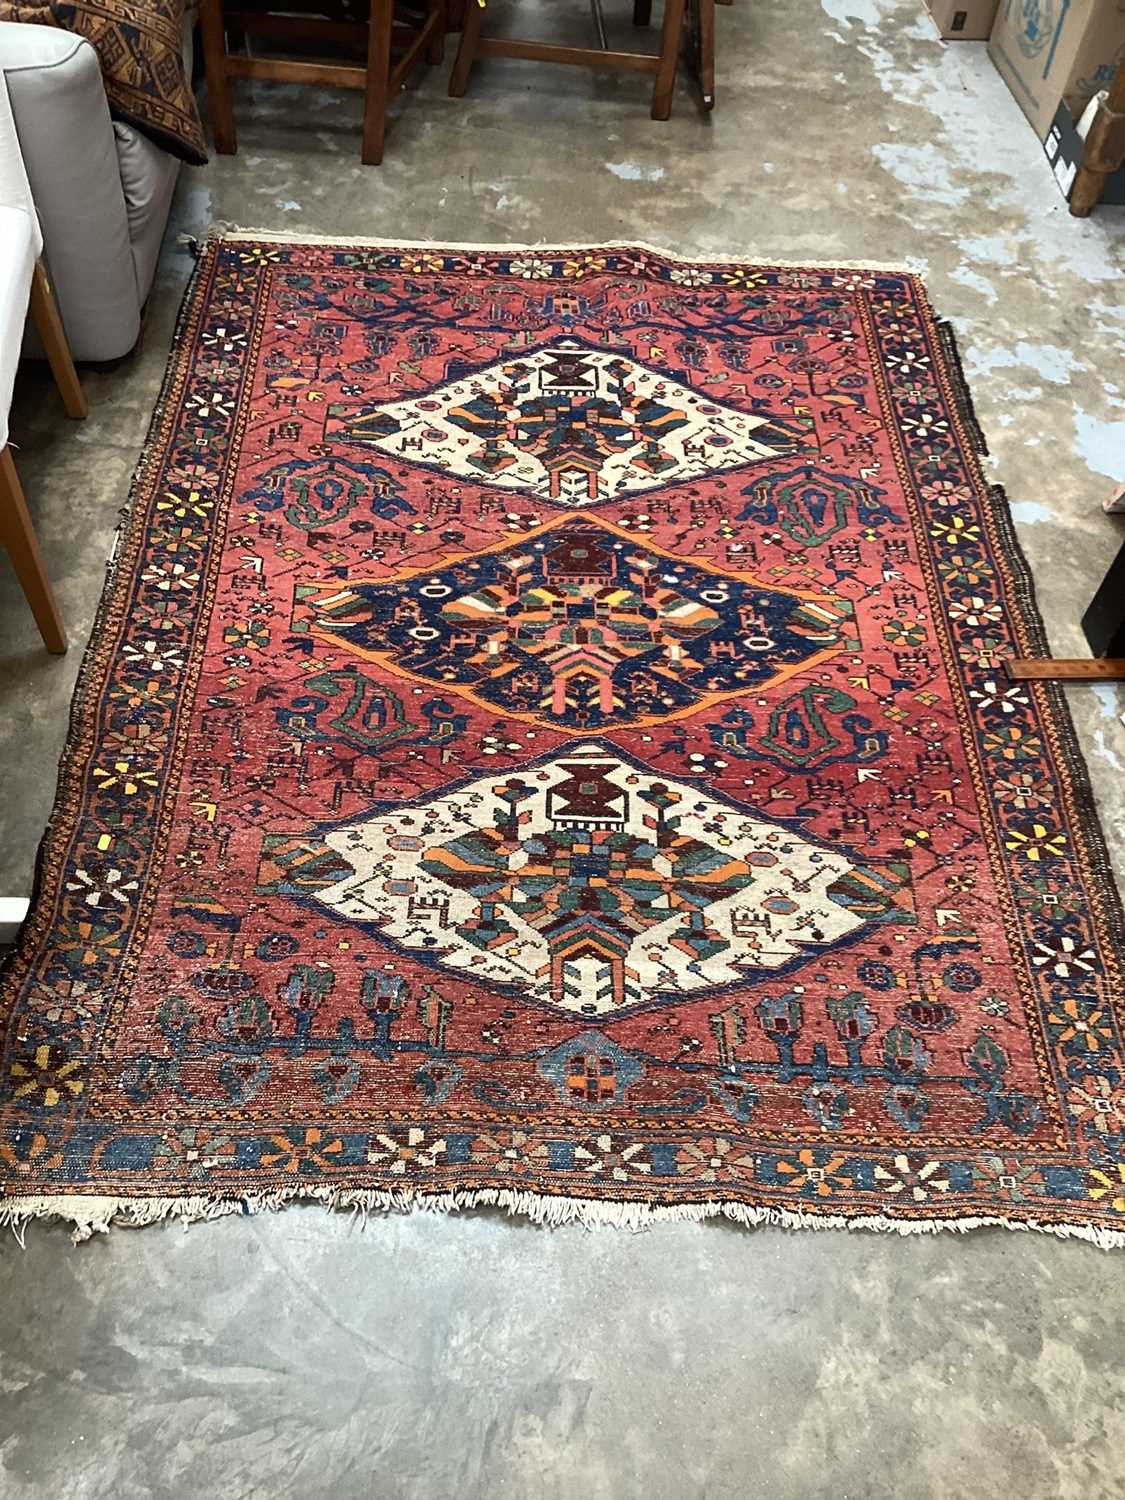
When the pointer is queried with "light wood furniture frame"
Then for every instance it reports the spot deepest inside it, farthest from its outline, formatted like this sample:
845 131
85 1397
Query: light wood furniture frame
380 78
1104 149
1104 627
17 534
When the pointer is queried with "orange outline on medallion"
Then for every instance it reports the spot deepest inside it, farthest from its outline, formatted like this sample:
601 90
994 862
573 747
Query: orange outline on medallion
383 659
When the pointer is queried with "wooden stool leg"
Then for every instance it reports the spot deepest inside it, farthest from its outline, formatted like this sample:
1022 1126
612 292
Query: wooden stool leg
642 12
435 52
48 325
670 39
18 535
467 51
378 78
215 71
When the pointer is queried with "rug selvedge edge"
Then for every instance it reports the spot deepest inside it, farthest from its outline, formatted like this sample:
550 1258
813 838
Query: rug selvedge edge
93 667
1022 595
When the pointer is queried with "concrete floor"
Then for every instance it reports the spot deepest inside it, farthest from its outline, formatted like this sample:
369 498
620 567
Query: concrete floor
298 1355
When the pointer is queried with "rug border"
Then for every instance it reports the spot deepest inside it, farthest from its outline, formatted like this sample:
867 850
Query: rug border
93 1213
221 232
88 683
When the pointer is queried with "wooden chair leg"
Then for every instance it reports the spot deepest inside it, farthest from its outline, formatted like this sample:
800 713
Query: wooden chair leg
671 37
18 535
467 51
378 78
215 71
48 325
705 31
435 52
642 12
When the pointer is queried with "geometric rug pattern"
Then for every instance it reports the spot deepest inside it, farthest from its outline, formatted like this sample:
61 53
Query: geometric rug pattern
546 742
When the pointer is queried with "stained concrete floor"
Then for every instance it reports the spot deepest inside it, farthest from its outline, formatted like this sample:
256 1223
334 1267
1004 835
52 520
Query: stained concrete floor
299 1355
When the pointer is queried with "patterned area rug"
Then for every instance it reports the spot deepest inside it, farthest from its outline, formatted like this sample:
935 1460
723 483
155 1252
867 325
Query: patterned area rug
546 743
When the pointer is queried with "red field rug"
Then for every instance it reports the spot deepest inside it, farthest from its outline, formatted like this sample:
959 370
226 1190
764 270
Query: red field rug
546 743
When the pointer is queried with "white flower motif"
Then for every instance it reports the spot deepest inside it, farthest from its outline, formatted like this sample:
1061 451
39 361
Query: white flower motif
1063 956
973 610
1007 699
169 576
918 1181
411 1154
530 268
99 887
151 657
689 276
209 404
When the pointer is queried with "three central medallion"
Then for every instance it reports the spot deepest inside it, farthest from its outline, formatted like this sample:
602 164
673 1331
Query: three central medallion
583 881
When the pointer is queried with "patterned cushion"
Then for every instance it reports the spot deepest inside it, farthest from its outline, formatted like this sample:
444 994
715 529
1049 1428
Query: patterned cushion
138 46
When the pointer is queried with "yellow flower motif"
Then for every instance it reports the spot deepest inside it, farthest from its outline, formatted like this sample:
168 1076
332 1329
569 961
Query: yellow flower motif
124 776
46 1076
258 255
956 529
182 506
1108 1187
1034 840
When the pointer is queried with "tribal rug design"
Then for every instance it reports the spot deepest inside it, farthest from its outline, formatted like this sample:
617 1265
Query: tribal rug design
573 425
546 742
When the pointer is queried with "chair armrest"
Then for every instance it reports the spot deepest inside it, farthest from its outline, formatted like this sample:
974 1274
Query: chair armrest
67 140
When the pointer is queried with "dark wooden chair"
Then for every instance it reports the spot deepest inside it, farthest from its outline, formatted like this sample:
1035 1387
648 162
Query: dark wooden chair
380 77
475 43
699 17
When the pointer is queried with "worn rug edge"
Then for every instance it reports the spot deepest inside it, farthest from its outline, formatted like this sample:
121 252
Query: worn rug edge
97 1215
90 1214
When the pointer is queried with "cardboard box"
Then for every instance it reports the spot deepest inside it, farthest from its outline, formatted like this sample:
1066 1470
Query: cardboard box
963 20
1053 52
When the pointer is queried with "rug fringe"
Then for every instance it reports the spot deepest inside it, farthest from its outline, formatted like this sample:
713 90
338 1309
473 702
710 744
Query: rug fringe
97 1215
221 231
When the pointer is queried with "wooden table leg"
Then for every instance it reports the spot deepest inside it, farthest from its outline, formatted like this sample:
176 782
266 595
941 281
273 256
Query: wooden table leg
671 37
467 51
18 535
378 75
48 325
215 71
